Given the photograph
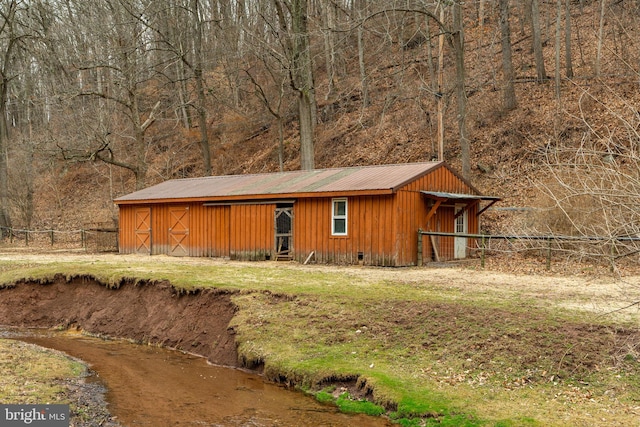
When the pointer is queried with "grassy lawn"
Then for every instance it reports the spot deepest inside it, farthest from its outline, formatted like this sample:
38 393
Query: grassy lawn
33 375
435 346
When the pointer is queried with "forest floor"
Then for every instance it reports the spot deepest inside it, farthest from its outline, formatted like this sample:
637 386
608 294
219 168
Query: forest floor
447 343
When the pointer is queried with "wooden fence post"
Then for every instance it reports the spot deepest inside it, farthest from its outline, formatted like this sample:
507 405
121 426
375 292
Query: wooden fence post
612 267
51 235
419 247
482 250
26 237
548 254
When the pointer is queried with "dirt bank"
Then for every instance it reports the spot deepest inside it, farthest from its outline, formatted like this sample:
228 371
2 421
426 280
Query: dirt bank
150 312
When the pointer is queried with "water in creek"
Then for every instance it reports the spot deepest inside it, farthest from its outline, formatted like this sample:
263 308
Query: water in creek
151 386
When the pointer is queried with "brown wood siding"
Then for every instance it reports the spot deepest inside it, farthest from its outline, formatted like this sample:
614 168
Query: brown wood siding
383 227
369 230
252 232
127 229
219 234
208 229
411 210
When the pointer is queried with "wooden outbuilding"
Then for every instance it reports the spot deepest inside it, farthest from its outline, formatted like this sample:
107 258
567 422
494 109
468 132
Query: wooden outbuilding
367 214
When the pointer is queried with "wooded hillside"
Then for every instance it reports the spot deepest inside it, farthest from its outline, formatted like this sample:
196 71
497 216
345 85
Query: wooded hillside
535 101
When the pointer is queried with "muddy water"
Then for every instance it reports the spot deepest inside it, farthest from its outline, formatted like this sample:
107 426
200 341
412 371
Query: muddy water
150 386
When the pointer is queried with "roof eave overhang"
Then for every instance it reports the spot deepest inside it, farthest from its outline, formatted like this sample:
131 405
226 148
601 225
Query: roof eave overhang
256 197
442 195
434 167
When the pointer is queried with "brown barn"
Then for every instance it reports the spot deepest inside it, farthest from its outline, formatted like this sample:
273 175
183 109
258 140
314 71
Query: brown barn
368 214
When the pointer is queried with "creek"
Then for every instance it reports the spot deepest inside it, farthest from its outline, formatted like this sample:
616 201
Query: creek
153 386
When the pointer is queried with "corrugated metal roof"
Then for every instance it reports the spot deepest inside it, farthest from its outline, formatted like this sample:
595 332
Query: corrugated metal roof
359 178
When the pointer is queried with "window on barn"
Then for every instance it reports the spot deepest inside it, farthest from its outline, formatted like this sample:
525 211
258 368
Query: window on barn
339 217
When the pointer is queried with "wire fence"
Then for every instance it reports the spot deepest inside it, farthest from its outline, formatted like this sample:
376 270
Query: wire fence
609 249
580 248
95 239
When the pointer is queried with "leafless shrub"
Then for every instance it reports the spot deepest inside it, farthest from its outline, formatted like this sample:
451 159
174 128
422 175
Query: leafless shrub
594 187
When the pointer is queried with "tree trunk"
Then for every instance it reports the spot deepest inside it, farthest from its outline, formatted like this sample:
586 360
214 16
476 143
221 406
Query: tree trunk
5 218
541 73
307 157
329 47
507 62
526 20
458 46
558 47
301 74
197 71
600 38
9 14
440 92
306 91
567 39
364 85
141 167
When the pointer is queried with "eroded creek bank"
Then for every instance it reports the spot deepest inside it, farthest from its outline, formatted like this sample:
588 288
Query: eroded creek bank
147 312
160 383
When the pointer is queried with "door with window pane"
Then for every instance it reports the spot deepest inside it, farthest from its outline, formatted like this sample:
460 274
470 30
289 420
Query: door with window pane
284 232
460 243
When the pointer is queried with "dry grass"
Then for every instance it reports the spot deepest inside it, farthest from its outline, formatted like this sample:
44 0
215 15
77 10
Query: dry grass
491 346
34 375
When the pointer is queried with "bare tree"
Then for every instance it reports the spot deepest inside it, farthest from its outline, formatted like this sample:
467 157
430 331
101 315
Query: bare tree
273 103
294 36
364 81
125 65
541 73
598 60
558 47
567 39
457 40
199 81
10 38
594 186
507 62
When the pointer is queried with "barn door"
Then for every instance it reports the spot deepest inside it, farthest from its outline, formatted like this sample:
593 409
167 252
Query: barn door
284 232
179 231
143 231
461 227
